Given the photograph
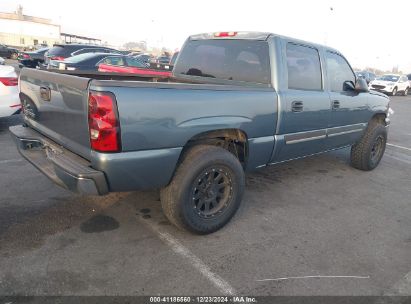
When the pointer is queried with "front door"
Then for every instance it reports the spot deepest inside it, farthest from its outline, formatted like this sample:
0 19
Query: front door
349 109
306 106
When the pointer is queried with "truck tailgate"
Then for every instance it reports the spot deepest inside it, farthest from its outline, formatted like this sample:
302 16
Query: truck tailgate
56 106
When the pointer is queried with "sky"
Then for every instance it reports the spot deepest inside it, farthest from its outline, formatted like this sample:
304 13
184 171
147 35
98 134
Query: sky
368 33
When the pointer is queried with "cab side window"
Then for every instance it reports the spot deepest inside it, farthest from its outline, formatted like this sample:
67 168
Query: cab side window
113 61
339 71
304 68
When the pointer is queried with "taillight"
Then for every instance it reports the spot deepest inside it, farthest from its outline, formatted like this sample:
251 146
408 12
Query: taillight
225 34
57 58
9 81
26 56
104 126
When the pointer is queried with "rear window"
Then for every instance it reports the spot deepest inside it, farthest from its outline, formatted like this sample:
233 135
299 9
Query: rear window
41 51
237 60
56 50
81 57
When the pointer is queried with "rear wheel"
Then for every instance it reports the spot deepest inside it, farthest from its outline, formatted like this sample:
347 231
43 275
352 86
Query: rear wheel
206 190
14 56
367 153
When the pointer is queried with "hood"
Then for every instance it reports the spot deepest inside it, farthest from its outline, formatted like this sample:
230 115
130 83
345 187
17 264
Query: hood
372 92
382 82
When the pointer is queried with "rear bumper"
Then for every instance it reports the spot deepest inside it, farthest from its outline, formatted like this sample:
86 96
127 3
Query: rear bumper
63 167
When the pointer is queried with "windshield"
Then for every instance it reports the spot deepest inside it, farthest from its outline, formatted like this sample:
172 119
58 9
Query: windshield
393 78
81 57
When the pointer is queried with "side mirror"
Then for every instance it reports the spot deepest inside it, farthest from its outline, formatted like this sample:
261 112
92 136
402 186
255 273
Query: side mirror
361 86
348 86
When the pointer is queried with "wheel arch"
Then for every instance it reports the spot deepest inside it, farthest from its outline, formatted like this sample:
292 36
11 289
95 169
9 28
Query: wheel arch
379 117
233 140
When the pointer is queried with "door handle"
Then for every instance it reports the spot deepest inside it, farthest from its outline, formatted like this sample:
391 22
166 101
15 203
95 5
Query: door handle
297 106
335 104
45 93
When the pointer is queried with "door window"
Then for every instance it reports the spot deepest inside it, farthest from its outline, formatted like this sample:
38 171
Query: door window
339 71
113 61
304 68
133 62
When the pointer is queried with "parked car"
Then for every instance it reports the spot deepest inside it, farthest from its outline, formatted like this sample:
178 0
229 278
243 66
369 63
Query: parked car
32 59
63 51
35 47
368 76
8 52
84 62
9 92
232 106
391 84
163 59
131 65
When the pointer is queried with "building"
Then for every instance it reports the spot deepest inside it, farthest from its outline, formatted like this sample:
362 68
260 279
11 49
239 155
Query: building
22 31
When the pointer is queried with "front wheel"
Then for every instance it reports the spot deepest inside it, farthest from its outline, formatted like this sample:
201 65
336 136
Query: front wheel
367 153
206 190
394 92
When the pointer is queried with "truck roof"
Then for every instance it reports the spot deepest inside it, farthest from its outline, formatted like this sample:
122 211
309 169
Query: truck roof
244 35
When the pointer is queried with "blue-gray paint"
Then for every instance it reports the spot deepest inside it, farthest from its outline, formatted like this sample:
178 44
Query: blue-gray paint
158 119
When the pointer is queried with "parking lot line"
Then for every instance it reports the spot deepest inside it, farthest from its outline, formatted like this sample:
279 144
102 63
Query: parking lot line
316 277
397 146
398 158
222 285
6 161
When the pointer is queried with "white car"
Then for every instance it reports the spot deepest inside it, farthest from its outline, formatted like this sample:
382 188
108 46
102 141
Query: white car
9 91
391 84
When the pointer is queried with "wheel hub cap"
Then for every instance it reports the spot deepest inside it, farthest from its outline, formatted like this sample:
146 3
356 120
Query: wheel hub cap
212 192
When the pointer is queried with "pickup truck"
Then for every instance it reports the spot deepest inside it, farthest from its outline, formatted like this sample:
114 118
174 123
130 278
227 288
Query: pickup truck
236 102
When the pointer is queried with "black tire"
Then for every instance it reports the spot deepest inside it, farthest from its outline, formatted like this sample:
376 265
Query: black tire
191 189
14 56
367 153
394 91
405 93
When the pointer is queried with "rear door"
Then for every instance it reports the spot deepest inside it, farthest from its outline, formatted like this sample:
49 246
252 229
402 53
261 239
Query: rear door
57 105
349 109
305 105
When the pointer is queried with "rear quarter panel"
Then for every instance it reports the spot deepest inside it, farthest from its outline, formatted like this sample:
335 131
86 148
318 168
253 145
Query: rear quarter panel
159 116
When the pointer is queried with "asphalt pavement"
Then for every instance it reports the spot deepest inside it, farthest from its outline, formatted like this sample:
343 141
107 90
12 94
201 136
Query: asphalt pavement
314 226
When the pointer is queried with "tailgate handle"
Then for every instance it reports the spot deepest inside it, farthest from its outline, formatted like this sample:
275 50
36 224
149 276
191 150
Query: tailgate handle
45 93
